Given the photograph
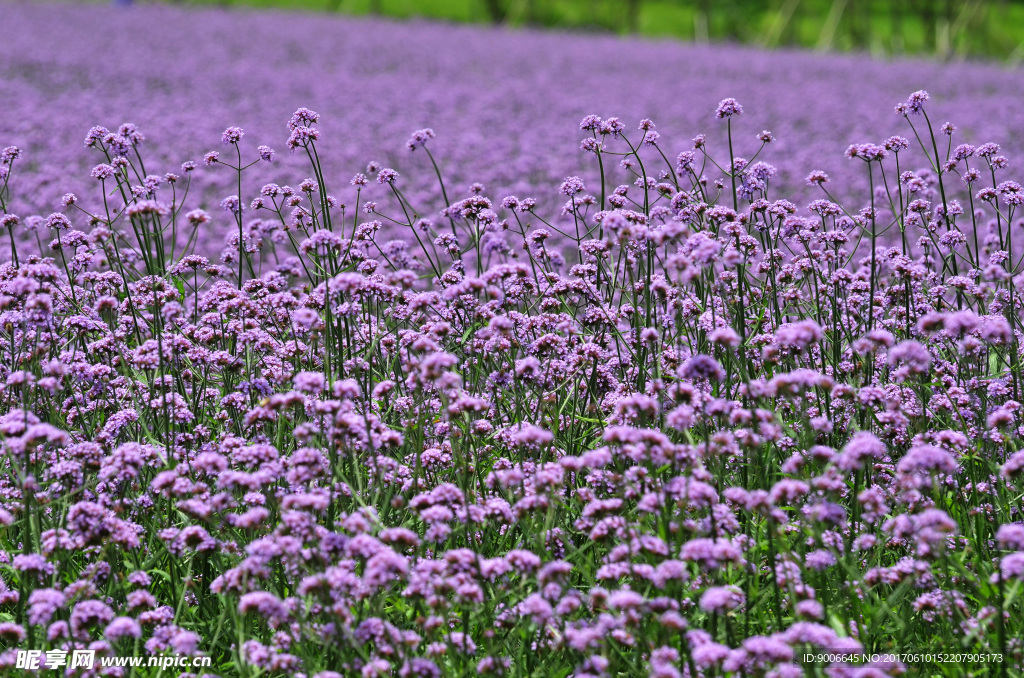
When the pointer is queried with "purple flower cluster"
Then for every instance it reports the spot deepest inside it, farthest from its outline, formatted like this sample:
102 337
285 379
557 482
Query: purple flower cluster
671 425
507 119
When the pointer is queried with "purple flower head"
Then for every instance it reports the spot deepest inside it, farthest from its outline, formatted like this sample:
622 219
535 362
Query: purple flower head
960 323
896 144
197 217
720 599
612 126
58 222
927 459
419 139
625 600
419 668
302 136
1011 568
95 136
140 578
728 108
702 367
131 132
1014 466
915 103
571 186
799 336
820 560
725 336
232 135
810 610
9 155
12 632
863 447
1011 536
817 178
32 563
912 355
122 627
867 152
708 654
231 204
303 117
89 613
788 491
264 605
43 604
103 172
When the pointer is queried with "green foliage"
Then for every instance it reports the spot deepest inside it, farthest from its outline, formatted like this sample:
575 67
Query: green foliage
943 28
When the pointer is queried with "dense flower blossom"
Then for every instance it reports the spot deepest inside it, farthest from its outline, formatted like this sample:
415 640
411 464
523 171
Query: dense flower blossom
728 108
690 429
721 599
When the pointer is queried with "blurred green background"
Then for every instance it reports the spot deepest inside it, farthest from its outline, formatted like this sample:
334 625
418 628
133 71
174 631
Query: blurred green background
991 29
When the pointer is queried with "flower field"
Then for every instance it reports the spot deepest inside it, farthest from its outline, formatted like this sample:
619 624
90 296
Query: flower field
504 104
446 375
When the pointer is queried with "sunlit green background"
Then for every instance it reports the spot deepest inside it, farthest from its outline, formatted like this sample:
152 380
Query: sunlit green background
943 28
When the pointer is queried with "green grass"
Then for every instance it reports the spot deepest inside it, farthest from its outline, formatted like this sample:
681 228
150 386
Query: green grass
991 29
